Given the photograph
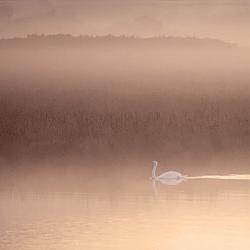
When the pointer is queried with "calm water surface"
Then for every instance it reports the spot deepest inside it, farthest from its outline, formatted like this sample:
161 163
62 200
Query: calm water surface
108 212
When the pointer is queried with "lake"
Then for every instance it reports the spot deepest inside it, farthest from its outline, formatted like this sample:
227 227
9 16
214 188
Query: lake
104 210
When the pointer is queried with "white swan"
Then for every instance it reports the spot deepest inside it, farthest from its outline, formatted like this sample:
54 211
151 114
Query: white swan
167 176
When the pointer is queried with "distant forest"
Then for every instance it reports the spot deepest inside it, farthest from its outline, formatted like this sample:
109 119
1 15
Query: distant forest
78 41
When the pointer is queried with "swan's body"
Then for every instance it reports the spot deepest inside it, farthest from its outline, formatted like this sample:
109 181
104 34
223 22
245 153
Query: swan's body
168 181
169 175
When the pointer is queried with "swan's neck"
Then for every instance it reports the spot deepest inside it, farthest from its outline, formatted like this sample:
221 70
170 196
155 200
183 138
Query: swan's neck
154 170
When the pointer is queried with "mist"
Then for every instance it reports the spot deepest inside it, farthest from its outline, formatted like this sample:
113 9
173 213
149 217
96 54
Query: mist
225 20
105 96
124 125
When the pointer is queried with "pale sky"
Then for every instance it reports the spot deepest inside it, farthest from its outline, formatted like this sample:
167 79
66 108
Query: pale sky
227 20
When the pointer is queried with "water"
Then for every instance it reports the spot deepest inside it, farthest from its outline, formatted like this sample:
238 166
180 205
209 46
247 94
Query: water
93 210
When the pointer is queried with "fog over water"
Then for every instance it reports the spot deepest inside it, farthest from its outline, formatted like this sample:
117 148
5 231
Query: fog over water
159 97
81 120
83 115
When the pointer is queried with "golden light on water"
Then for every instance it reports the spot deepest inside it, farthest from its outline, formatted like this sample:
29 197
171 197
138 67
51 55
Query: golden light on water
197 214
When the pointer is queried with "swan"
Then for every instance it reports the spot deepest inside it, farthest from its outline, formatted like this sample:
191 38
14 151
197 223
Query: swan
167 176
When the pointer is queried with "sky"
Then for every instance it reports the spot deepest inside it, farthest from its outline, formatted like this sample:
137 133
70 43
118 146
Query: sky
228 20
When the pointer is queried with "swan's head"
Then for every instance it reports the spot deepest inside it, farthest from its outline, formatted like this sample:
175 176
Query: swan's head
154 163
